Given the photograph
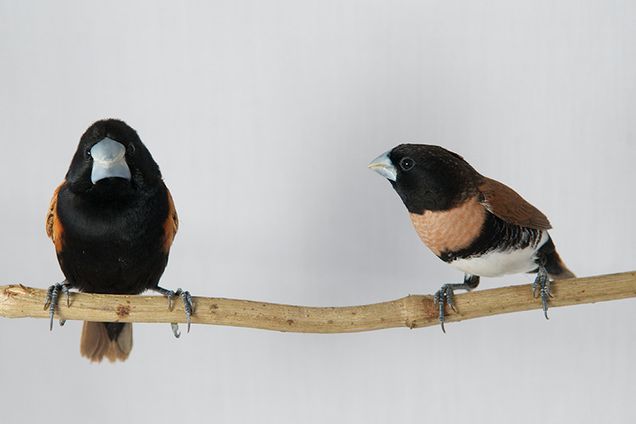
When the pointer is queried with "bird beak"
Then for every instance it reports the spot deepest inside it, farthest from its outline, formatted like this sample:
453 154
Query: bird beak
109 160
383 166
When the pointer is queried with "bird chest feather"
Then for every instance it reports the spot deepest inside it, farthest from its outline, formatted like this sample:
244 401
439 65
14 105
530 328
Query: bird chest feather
450 230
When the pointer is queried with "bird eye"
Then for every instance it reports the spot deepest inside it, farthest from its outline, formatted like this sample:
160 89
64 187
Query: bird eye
87 154
130 149
407 164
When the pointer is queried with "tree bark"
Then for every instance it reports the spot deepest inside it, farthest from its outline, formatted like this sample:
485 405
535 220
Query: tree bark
413 311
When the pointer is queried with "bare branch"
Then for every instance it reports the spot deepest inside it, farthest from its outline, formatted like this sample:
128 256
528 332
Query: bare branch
17 301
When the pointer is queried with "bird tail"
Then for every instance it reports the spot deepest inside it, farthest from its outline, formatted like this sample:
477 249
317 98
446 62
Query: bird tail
554 264
560 272
106 339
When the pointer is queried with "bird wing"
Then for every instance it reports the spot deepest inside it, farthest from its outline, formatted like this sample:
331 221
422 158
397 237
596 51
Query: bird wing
507 204
54 227
171 224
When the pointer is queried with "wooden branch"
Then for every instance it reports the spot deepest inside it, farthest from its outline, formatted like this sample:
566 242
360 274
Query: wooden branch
18 301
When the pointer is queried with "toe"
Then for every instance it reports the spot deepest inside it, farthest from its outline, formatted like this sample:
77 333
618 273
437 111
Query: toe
175 329
188 307
170 295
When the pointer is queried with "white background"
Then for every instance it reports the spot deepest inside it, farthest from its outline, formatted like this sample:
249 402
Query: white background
263 116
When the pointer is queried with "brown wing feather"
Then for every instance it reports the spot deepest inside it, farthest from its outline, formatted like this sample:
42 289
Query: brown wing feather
171 225
54 227
508 205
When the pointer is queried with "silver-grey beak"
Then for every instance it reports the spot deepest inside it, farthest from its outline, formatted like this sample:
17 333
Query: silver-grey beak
109 160
383 166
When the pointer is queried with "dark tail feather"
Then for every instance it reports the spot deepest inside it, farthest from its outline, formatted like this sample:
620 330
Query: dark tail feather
559 271
110 340
553 262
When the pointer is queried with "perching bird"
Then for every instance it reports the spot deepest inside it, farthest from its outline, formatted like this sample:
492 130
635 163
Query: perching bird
476 224
112 221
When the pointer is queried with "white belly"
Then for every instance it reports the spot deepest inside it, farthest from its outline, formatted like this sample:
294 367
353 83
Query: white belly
502 262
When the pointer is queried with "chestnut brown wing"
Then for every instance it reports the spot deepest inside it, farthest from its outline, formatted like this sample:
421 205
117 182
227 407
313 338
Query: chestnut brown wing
54 227
171 225
508 205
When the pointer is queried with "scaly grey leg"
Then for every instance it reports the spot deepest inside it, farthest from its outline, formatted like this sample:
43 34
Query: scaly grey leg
52 299
542 284
187 306
446 295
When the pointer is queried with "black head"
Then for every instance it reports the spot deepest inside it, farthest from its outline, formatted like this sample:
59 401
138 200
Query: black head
427 177
111 158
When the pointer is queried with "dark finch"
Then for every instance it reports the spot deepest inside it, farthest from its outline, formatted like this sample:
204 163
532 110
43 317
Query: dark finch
112 221
476 224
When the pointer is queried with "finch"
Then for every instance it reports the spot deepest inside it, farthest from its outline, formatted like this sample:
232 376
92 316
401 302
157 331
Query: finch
474 223
112 222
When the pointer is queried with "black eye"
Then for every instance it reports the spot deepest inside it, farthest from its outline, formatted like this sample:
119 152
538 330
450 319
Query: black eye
87 154
407 164
130 149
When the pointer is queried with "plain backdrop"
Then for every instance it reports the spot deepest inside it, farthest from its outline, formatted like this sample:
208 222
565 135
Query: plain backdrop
263 116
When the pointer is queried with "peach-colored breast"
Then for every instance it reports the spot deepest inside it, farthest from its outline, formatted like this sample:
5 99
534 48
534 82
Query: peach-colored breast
450 230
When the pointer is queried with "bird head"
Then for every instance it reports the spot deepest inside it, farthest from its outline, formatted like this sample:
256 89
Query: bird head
111 157
427 177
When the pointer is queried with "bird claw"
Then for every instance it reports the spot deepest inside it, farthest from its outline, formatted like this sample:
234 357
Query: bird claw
171 294
188 306
444 296
541 288
52 299
175 329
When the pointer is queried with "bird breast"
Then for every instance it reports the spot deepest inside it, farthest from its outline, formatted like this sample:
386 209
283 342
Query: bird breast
451 230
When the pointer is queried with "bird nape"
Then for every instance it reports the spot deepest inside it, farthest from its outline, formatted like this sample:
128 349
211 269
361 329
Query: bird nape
475 224
112 221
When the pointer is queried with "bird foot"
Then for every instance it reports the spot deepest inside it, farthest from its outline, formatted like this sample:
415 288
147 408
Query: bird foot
52 299
188 306
541 287
445 296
